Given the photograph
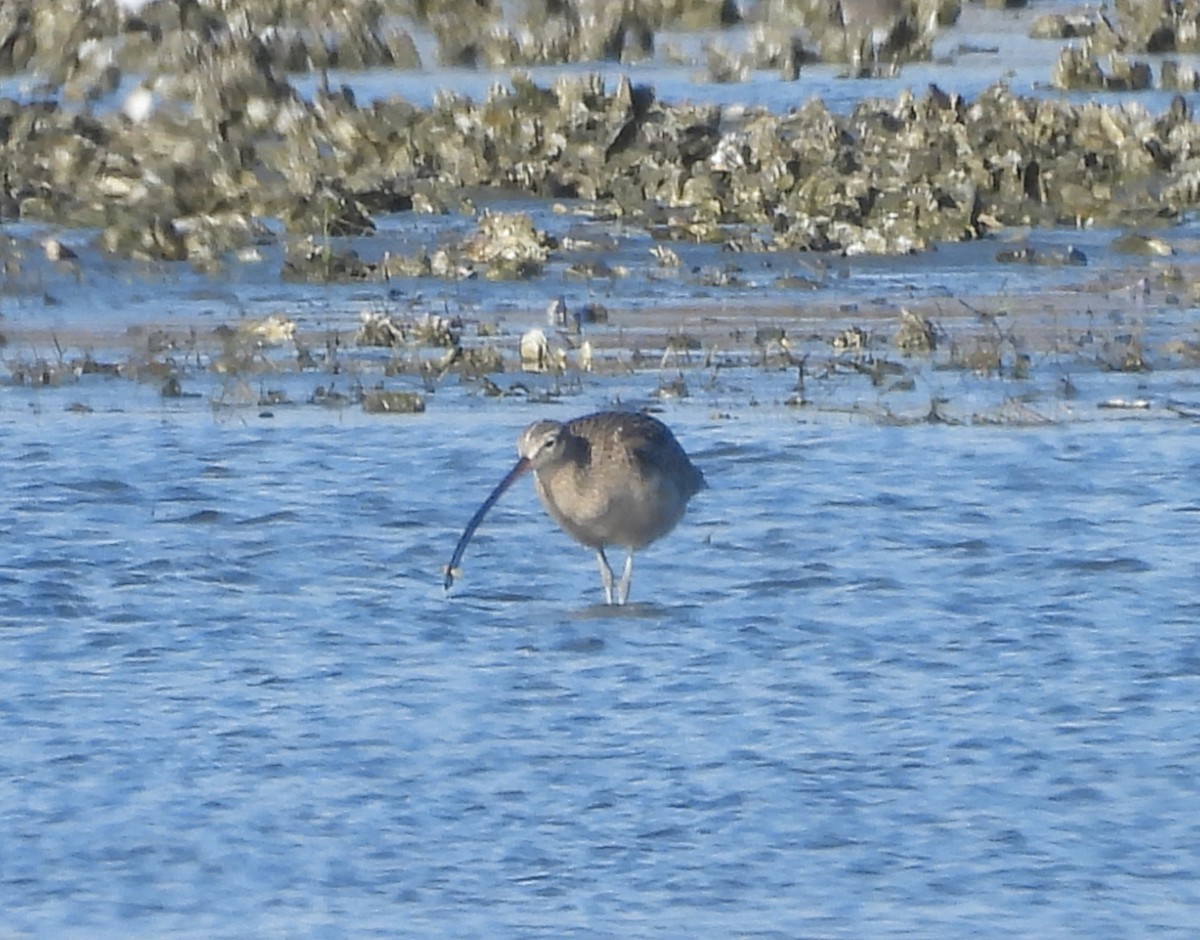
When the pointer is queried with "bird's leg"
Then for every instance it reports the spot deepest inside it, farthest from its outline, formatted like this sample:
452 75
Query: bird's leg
606 576
626 577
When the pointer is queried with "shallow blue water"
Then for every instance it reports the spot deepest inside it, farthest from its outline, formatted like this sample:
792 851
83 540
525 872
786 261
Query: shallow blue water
926 681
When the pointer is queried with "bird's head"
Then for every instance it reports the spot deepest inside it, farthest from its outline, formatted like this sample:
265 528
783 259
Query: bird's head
543 444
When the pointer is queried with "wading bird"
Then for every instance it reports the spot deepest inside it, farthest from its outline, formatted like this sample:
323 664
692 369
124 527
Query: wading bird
611 478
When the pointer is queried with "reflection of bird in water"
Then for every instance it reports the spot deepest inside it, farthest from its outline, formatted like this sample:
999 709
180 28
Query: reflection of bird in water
612 478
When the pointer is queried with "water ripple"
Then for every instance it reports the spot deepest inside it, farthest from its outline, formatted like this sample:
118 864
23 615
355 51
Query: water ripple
893 686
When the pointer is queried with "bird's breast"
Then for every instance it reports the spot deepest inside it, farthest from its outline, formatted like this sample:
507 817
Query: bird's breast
630 511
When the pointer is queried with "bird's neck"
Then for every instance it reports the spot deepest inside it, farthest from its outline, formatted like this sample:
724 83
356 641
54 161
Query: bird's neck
576 452
570 464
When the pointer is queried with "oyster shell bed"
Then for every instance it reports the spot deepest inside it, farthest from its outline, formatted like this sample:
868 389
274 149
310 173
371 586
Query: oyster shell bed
175 134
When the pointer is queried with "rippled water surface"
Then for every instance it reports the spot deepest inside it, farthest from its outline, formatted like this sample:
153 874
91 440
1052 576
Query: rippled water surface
925 680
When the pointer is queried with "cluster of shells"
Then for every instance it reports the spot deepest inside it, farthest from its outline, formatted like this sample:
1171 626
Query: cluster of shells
893 176
68 41
1101 61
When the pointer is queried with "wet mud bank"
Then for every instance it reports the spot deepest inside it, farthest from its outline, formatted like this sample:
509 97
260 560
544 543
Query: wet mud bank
1081 356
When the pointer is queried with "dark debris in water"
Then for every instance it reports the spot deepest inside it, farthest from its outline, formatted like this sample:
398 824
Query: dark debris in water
939 361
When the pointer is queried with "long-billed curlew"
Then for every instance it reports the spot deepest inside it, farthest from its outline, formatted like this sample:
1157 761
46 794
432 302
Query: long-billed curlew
611 478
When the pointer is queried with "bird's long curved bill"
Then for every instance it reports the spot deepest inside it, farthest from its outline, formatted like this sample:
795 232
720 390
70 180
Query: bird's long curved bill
513 474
